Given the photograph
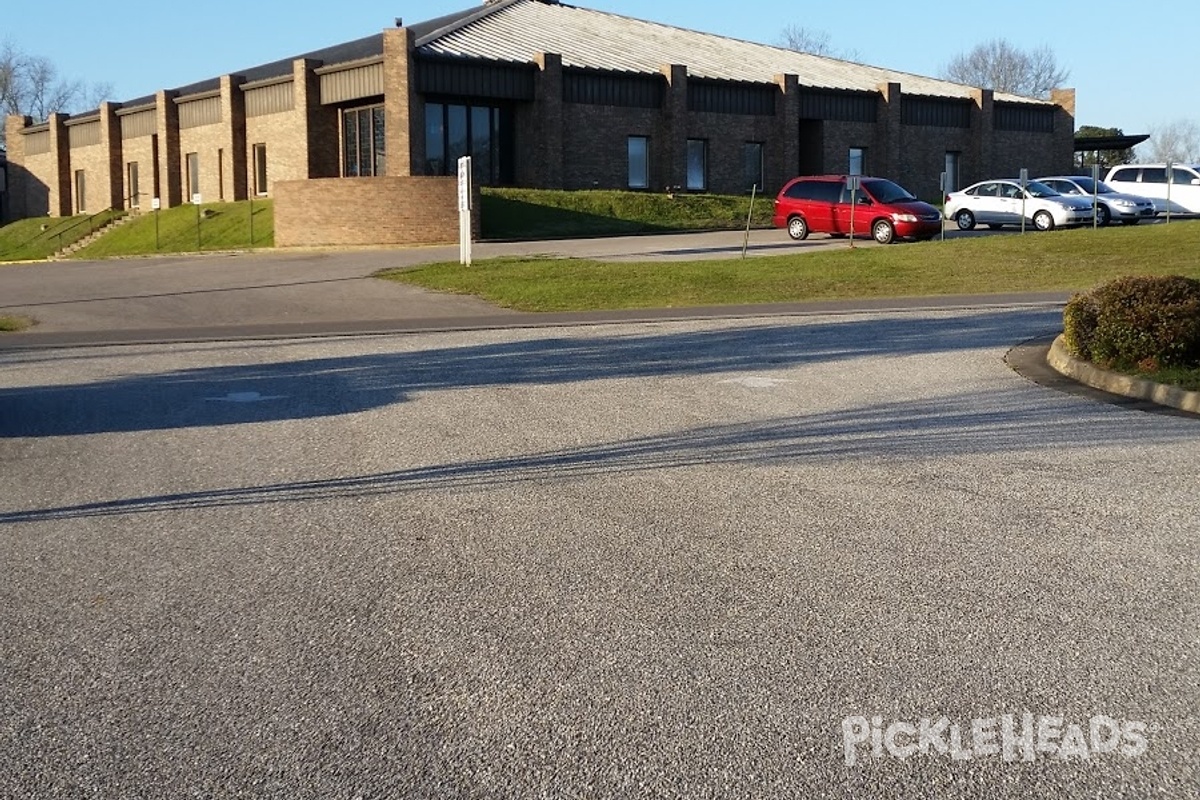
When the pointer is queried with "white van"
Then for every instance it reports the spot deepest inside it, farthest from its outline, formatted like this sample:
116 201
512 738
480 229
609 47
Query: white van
1150 180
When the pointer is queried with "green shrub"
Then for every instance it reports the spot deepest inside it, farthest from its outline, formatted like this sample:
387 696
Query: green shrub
1144 322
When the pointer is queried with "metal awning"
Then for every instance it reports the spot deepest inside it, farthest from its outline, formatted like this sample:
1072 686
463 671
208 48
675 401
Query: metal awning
1088 144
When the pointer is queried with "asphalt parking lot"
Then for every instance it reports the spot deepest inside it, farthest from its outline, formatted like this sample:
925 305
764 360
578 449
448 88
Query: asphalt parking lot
708 558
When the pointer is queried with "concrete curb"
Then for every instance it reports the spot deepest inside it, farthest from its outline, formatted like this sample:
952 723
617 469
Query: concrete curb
1118 383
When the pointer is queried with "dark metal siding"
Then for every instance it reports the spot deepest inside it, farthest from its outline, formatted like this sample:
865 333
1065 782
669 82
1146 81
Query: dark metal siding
938 112
595 87
731 97
842 106
1024 118
475 78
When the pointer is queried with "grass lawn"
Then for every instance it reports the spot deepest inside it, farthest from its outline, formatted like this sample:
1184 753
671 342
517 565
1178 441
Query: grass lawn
9 323
40 237
1178 376
1069 260
219 226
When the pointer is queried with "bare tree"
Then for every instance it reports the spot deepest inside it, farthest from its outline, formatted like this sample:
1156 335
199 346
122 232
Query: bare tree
1177 141
814 42
31 85
1003 67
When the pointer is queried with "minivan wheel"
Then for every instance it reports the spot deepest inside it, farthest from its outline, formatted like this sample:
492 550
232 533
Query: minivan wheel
1043 221
965 220
797 228
883 232
1103 216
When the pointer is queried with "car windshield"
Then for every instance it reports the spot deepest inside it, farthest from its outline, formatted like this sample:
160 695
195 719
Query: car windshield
887 192
1090 186
1036 189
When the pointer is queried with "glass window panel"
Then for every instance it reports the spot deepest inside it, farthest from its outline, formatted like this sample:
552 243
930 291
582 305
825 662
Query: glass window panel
639 173
435 139
481 144
365 167
857 161
456 130
697 167
379 132
952 160
753 165
350 143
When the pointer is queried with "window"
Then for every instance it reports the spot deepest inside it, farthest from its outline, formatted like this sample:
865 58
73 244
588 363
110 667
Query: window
131 172
1154 175
697 165
752 166
1181 175
363 142
858 161
260 169
453 131
639 162
1127 174
953 163
193 176
80 192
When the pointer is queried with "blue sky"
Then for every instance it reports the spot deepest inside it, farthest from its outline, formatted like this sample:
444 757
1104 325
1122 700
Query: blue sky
1123 74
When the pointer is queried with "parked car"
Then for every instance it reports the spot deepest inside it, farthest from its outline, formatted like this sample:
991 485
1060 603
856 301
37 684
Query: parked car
1129 209
822 204
1150 180
1000 202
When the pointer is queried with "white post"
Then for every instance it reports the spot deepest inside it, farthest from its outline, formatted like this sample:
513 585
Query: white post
464 210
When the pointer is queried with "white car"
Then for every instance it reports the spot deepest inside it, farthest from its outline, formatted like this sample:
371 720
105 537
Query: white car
1002 202
1129 209
1181 195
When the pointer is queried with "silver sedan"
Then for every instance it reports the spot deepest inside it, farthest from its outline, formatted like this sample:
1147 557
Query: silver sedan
1111 205
1004 202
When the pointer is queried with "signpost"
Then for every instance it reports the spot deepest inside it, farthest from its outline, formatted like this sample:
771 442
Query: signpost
155 204
1024 180
1170 177
944 184
196 202
1095 195
464 210
852 184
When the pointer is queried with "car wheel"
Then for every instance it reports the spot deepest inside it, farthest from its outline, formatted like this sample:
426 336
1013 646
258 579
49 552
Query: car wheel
1103 216
1043 221
883 232
965 220
797 228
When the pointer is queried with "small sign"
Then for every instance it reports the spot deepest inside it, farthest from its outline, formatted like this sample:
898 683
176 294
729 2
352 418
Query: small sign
196 199
1024 177
853 182
156 204
464 183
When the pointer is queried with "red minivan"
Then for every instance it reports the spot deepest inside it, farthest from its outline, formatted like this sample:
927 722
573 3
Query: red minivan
821 204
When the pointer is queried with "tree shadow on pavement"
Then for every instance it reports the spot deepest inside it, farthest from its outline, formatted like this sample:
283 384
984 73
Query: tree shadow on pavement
963 424
322 387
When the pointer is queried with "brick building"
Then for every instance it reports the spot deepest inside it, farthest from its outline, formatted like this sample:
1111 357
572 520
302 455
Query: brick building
540 94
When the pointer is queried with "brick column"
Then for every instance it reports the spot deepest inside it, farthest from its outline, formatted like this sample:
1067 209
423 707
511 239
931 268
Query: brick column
233 114
60 152
983 130
16 205
1064 129
785 164
320 124
168 179
110 139
404 110
671 151
887 161
547 147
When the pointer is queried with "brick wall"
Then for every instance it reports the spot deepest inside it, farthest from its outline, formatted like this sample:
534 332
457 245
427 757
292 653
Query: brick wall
286 138
594 146
390 210
139 150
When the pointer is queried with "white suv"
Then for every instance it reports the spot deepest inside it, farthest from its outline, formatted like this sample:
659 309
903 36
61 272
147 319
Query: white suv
1150 180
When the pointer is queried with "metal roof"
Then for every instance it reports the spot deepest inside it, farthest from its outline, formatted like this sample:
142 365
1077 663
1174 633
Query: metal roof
516 30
